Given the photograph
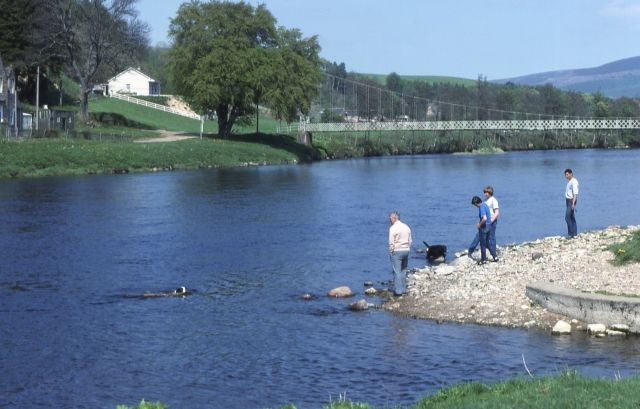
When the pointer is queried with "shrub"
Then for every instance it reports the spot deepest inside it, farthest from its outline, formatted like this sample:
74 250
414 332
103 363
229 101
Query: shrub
628 251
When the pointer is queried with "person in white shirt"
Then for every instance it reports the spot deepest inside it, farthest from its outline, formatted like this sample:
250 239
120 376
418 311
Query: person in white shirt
571 199
493 205
399 247
492 202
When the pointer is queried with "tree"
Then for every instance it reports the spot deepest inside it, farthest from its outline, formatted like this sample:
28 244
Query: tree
16 42
95 38
394 82
505 100
625 107
600 105
482 98
298 74
229 58
155 65
554 100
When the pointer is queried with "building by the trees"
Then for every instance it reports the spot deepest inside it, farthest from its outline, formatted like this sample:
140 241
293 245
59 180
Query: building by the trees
134 82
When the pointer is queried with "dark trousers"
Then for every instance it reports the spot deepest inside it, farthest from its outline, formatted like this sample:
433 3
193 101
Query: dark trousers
492 240
570 218
484 234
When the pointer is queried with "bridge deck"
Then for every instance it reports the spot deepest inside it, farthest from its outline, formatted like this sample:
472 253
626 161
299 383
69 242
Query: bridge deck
518 124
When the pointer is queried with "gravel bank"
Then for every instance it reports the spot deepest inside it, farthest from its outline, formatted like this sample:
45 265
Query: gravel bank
494 293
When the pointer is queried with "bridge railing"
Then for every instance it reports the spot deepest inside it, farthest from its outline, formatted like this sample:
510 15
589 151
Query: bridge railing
518 124
154 105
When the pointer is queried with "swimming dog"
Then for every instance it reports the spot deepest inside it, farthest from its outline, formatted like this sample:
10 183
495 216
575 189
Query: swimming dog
436 251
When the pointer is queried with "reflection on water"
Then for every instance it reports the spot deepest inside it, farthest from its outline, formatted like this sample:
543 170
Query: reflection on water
251 242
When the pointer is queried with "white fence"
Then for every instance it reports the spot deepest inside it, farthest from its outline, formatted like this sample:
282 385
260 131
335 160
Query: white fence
288 129
524 124
155 106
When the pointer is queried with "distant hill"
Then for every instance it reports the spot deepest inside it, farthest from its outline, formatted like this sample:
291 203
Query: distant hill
616 79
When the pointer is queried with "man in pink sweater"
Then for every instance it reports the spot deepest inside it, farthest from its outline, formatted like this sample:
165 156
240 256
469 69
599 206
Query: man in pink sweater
399 246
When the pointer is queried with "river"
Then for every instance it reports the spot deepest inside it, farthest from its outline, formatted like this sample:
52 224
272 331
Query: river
77 251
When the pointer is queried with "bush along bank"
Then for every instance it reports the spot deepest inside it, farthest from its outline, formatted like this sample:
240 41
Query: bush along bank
336 145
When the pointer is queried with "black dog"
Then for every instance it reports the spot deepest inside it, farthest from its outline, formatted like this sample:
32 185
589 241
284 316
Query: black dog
436 251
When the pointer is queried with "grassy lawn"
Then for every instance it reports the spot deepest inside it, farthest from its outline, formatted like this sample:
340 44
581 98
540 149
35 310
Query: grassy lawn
139 116
568 390
111 111
107 145
40 157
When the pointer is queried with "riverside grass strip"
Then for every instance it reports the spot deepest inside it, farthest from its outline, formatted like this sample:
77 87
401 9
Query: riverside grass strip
53 157
566 390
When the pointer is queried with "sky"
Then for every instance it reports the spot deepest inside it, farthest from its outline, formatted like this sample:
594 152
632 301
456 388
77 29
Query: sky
461 38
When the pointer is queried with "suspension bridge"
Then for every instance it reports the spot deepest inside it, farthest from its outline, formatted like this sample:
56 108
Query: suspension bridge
476 125
351 106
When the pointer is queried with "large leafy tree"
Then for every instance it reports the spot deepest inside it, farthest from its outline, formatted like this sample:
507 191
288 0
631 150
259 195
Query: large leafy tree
229 58
21 45
94 38
16 26
298 74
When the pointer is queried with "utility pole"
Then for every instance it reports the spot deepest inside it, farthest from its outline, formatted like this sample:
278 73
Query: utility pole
15 107
37 98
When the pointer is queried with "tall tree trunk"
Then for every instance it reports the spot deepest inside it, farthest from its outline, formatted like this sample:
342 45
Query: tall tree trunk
224 130
257 119
84 101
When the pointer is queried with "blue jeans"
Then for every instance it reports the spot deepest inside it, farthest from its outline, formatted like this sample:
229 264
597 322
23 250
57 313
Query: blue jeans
570 218
491 243
399 261
474 243
484 234
492 238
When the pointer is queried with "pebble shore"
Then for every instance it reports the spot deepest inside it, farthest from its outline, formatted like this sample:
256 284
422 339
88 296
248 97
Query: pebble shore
494 293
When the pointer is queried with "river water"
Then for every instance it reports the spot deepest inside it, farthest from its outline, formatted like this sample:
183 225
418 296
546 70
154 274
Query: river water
77 251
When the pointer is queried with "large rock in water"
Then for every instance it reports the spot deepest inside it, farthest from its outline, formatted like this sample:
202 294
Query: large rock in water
360 305
620 327
340 292
561 328
595 329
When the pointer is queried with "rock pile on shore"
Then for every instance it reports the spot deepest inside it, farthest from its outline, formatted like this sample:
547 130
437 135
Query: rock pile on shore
494 293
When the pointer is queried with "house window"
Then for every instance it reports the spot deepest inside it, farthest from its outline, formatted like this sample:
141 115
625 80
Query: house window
128 87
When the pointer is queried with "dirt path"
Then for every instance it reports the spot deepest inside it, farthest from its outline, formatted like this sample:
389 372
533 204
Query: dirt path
168 136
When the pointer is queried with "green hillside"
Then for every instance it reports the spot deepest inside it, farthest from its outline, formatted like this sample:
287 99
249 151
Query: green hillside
139 116
431 79
117 113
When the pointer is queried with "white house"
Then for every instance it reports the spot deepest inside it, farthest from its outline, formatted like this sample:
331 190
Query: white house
134 82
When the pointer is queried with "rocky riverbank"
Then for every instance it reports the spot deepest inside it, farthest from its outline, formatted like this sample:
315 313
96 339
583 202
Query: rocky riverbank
494 293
